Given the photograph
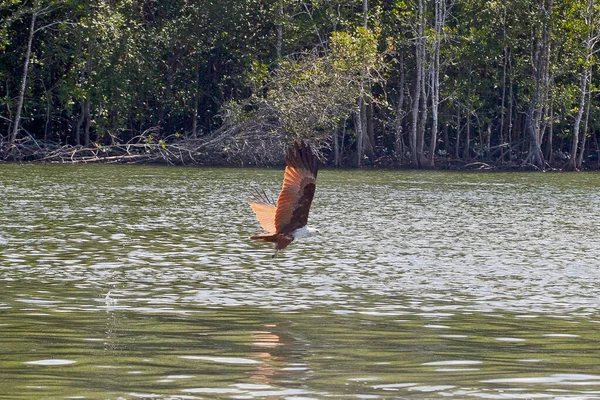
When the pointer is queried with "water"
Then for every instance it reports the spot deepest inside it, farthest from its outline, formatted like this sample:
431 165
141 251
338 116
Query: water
132 282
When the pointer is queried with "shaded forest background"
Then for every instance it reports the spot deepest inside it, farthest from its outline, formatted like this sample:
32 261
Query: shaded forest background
408 83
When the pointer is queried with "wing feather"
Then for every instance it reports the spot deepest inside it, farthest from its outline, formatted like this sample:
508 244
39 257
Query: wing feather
293 204
264 209
266 216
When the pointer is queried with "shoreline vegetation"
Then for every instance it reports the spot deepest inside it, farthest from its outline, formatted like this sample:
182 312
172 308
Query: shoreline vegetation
421 84
202 152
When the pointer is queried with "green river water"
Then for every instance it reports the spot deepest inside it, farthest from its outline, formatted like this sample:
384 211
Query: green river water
139 282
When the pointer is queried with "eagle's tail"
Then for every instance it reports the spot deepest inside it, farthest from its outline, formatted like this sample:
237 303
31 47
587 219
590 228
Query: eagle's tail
265 237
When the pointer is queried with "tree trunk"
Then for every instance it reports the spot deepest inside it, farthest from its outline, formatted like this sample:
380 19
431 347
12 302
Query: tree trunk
341 145
417 89
596 142
414 121
501 139
550 138
424 95
467 150
196 104
79 124
422 123
400 114
88 68
336 148
591 40
279 44
547 80
446 140
535 150
88 119
489 139
538 106
434 123
48 124
8 113
458 118
572 165
585 125
509 125
370 129
358 125
21 98
361 121
440 21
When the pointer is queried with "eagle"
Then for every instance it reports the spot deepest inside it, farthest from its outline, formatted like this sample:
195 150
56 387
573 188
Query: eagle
287 220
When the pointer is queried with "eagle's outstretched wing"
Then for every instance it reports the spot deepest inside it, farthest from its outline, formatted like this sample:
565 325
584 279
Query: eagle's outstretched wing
298 189
264 209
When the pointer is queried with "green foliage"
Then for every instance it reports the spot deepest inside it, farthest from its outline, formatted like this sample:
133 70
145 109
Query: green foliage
312 93
172 67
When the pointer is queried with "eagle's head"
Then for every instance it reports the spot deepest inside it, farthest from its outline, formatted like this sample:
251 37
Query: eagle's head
312 232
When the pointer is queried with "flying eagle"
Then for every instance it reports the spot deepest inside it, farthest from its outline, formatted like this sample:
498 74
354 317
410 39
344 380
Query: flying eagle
287 220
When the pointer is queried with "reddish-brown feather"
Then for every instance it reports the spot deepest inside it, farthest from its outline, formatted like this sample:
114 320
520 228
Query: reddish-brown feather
266 237
294 200
298 189
283 240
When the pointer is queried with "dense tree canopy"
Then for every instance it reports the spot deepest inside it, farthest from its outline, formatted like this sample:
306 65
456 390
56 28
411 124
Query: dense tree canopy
436 83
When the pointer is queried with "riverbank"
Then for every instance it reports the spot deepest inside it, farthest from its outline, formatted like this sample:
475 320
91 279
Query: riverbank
216 151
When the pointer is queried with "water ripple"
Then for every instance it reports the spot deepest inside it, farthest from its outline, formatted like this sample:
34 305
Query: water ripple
421 284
